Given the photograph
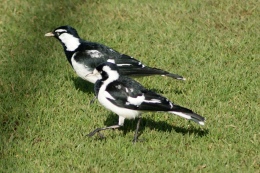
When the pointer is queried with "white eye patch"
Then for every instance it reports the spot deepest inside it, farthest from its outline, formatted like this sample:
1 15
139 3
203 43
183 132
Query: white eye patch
61 30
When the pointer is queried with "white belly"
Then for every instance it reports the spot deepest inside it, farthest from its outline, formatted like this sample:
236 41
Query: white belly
84 72
122 112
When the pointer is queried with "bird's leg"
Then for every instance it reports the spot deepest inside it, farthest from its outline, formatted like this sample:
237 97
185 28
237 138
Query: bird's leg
92 100
136 131
100 129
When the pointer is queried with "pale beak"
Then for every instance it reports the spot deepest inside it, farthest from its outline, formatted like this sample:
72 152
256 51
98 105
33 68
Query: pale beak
49 34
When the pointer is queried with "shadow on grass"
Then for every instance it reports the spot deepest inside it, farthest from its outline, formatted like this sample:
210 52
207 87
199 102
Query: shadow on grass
29 53
82 85
161 92
130 126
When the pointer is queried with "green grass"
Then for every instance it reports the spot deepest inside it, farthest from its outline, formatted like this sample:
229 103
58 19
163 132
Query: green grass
44 107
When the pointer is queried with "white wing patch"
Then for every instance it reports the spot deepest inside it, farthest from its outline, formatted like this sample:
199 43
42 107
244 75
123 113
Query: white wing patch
170 104
136 101
118 87
123 65
152 101
111 60
141 64
94 53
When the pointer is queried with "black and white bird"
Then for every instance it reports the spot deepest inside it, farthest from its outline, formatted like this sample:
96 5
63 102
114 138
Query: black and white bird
128 99
84 56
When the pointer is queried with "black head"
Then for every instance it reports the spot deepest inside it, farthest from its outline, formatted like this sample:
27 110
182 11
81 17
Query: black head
67 35
108 70
61 30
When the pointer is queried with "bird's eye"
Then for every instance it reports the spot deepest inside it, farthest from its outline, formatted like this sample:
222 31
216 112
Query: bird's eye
58 33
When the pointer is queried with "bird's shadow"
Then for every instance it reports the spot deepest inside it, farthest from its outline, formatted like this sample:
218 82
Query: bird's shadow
159 91
82 85
130 125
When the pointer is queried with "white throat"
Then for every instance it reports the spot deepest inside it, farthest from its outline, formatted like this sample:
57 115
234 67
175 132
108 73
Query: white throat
112 75
71 42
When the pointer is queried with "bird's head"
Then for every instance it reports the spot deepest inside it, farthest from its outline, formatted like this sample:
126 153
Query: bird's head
108 71
67 35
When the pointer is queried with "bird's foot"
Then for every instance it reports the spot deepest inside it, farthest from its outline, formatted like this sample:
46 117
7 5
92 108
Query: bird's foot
100 135
138 140
93 100
94 132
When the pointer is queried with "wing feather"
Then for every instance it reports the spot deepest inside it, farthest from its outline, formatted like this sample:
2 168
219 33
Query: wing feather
132 95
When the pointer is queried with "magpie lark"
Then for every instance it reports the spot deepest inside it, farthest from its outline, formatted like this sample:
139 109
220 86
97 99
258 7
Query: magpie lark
84 56
128 99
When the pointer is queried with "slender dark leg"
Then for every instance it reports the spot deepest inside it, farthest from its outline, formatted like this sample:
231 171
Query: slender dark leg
92 100
100 129
136 131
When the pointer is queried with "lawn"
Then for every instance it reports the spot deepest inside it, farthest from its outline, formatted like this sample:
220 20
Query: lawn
45 110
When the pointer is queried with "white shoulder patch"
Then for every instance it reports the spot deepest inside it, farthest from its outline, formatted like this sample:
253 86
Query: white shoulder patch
136 101
111 60
94 53
153 101
118 87
123 65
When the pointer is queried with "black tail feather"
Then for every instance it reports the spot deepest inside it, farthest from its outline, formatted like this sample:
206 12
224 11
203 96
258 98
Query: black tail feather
129 66
147 71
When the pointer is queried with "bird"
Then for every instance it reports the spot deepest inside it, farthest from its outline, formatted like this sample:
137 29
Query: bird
84 56
129 99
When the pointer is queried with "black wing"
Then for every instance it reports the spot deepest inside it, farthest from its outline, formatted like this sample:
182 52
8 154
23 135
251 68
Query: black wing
121 90
105 51
84 57
132 95
142 99
127 65
97 86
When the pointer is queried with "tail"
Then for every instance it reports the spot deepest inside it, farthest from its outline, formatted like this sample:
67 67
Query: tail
188 114
130 66
147 71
